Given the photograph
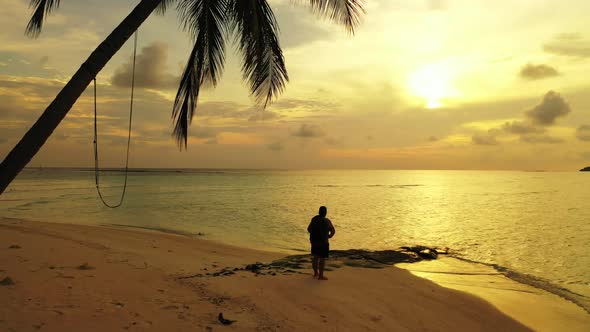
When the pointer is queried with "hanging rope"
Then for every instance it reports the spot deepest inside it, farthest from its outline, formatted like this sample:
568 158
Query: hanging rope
96 168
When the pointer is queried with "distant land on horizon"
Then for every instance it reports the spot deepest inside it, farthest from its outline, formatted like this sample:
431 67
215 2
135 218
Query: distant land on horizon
585 169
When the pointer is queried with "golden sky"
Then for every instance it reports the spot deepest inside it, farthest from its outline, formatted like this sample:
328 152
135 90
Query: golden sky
423 84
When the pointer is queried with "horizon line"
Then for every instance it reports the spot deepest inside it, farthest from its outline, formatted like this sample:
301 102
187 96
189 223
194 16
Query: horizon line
139 169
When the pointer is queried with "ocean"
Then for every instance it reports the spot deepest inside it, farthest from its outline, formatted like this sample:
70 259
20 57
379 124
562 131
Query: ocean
534 225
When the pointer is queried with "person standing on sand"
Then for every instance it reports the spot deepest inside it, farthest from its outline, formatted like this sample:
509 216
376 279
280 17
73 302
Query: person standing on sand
320 230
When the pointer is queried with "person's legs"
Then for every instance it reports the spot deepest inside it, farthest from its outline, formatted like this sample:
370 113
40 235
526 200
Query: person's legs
321 265
314 264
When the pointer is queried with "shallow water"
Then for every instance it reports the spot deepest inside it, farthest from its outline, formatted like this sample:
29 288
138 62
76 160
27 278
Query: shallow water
533 223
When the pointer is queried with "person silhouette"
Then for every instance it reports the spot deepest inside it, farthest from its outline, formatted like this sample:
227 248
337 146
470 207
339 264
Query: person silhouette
320 231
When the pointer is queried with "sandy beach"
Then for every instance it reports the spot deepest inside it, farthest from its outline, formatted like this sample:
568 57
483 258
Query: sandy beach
62 277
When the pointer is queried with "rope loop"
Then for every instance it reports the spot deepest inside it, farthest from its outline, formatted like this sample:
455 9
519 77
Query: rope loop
96 167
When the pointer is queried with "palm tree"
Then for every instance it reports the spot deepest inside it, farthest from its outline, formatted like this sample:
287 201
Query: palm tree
209 22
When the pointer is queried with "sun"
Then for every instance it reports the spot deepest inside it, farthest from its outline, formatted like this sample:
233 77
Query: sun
433 84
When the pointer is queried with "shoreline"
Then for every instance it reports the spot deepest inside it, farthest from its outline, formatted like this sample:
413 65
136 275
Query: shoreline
535 282
516 299
87 265
580 300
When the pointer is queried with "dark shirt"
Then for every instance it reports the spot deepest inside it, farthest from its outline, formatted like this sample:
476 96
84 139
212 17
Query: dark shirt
320 229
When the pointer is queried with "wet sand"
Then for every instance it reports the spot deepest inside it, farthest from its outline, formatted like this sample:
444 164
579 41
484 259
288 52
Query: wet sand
534 307
60 277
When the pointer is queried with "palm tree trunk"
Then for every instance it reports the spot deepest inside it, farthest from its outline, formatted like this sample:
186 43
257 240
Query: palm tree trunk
34 139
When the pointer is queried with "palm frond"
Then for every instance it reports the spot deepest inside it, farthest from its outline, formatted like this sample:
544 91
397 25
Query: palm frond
41 9
263 62
206 20
186 98
163 6
345 12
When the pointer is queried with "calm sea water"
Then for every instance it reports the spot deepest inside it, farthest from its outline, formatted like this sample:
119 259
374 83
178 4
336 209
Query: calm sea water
534 223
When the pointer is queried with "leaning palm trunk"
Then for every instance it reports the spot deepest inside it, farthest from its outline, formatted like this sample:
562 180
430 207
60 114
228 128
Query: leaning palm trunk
34 139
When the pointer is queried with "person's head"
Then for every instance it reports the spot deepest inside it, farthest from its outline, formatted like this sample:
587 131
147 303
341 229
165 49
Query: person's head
323 211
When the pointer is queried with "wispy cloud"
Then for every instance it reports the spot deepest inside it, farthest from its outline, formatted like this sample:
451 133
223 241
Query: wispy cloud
569 44
276 146
488 138
521 127
263 115
540 139
308 131
203 132
300 27
304 105
583 133
436 4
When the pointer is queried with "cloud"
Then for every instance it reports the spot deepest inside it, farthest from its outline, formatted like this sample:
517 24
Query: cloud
521 128
203 132
263 115
227 110
332 141
551 107
537 72
568 36
23 99
532 129
535 139
298 26
307 105
432 139
583 133
60 136
24 66
43 61
211 141
488 138
276 146
569 44
308 131
436 4
501 59
232 110
150 69
35 90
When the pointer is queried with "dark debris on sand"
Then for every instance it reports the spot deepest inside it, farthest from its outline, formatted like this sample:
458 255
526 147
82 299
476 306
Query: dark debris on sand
7 282
338 258
85 266
223 320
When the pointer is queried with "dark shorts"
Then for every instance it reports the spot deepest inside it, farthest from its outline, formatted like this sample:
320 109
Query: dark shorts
320 249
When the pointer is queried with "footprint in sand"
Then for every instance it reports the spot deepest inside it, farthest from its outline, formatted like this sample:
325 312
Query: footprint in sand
38 326
118 304
170 307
